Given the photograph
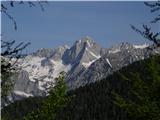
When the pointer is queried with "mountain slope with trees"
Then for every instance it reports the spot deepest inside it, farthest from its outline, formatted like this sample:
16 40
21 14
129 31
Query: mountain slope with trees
131 93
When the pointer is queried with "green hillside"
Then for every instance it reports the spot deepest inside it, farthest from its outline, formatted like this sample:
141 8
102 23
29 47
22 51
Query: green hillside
130 93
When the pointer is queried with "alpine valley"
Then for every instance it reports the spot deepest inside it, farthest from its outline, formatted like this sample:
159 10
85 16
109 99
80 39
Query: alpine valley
84 62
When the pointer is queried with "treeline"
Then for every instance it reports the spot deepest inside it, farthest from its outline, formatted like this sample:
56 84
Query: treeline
19 109
131 93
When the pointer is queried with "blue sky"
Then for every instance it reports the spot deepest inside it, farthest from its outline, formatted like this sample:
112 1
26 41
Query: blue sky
108 23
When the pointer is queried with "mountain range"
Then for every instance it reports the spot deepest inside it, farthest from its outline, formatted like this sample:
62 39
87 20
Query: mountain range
84 62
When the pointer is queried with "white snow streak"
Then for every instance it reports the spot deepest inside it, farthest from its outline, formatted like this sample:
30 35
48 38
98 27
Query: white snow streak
141 46
22 93
108 62
86 65
114 51
88 43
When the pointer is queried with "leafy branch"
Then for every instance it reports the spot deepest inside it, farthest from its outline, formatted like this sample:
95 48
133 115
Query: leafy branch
154 8
147 32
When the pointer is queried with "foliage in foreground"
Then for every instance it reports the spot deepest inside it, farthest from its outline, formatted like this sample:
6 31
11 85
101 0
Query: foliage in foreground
56 100
143 102
19 109
10 54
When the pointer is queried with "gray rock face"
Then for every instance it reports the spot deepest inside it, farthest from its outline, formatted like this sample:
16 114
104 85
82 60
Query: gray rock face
25 88
80 56
114 59
46 62
43 52
83 50
54 53
58 52
21 85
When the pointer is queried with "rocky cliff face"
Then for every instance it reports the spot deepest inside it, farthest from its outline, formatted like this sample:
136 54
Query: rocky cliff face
84 62
114 59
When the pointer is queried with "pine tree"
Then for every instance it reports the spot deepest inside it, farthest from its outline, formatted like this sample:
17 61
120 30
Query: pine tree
56 100
143 102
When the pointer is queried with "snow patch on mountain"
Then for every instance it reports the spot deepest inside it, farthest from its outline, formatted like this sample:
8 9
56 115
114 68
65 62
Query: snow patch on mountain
88 43
86 65
40 73
114 51
140 46
33 66
108 62
58 67
21 93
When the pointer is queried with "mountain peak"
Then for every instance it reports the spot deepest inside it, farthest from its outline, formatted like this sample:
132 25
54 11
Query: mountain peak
62 47
84 49
123 45
44 52
126 45
85 39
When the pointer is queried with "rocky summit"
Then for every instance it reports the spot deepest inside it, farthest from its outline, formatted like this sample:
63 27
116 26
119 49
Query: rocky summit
84 62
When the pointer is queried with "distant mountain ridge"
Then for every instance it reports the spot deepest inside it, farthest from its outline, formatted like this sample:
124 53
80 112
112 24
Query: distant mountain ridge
84 62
